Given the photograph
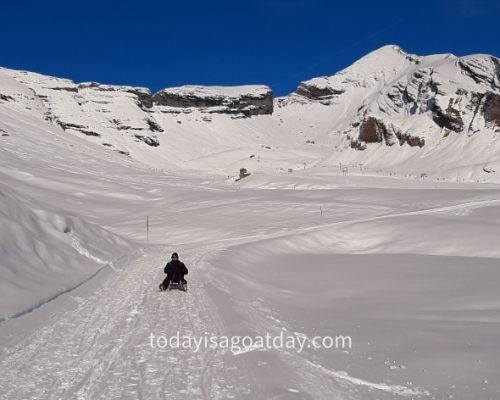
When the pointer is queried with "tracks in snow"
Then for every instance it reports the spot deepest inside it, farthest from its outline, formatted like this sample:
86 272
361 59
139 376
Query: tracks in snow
101 348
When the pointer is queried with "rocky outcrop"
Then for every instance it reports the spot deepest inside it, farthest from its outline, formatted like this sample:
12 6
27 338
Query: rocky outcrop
449 118
317 90
411 141
150 140
4 97
357 145
492 108
72 89
373 130
80 128
153 126
144 98
246 100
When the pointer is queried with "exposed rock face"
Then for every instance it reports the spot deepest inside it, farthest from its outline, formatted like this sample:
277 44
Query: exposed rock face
4 97
357 145
247 100
80 128
449 118
149 140
66 88
492 108
412 141
144 98
317 90
373 130
153 126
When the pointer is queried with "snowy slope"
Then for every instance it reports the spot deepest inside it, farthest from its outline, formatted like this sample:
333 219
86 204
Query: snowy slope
44 253
47 243
125 120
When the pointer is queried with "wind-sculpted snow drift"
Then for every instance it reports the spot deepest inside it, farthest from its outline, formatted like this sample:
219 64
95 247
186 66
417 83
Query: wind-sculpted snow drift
42 255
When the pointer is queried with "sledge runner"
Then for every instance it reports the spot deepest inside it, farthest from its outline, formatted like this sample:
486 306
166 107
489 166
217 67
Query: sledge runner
175 270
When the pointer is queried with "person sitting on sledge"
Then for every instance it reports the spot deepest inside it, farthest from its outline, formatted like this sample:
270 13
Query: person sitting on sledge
175 270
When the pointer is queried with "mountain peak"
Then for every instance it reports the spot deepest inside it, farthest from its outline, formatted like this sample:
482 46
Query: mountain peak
371 71
388 49
386 56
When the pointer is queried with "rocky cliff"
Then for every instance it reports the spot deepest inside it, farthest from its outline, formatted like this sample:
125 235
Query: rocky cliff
247 100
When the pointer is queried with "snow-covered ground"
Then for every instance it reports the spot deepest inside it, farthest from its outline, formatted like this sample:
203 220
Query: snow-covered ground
404 264
407 268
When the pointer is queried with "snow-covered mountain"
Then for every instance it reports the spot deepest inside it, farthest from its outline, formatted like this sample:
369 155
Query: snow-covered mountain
391 112
437 113
395 95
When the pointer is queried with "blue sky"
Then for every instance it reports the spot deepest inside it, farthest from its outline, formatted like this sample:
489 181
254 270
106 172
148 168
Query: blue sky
160 44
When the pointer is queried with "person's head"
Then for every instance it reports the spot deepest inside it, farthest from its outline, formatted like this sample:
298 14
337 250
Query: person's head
175 257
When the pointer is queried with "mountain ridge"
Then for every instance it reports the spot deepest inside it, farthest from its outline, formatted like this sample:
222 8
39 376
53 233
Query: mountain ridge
388 99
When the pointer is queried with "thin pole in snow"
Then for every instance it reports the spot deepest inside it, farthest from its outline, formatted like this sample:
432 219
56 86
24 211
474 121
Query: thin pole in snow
147 228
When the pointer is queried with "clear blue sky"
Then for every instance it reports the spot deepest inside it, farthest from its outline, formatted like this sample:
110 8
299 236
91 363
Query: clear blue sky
161 44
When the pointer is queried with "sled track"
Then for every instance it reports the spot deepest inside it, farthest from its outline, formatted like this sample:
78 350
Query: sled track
101 348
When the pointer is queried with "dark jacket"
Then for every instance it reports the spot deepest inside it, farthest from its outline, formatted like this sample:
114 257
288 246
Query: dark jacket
175 267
